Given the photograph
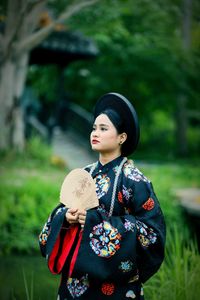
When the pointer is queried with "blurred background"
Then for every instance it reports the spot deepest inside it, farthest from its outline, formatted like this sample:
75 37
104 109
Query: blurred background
56 60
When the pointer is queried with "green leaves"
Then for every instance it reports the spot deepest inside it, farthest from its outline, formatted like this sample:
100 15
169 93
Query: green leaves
141 56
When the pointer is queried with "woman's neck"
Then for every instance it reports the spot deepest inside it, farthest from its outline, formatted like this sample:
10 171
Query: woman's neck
105 158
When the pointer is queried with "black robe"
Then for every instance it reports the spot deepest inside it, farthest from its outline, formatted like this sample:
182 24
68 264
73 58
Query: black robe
113 255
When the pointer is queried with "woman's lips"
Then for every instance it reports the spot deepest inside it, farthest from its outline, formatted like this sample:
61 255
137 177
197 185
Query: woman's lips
95 142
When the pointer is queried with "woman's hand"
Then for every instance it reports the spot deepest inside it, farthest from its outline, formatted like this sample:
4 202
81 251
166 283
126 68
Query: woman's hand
82 217
72 216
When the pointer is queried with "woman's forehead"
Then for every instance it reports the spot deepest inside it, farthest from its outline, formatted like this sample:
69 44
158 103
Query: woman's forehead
102 119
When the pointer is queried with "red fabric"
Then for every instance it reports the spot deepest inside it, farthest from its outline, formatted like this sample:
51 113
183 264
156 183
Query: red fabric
75 253
53 255
66 247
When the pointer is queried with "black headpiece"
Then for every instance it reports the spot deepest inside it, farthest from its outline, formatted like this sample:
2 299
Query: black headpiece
127 112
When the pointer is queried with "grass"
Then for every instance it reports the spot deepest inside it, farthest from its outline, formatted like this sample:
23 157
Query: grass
179 276
29 189
26 277
29 293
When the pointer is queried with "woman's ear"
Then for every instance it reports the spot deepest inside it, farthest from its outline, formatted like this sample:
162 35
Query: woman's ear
123 137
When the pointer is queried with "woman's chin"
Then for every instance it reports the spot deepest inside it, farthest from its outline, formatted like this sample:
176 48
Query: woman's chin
94 147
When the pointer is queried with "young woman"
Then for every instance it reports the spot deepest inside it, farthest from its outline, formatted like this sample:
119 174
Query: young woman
110 251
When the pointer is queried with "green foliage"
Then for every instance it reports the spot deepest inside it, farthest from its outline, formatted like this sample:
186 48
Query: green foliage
36 149
142 57
3 6
29 189
194 137
27 278
40 77
160 128
178 277
23 212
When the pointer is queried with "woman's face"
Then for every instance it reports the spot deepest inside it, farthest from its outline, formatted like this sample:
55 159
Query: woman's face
104 137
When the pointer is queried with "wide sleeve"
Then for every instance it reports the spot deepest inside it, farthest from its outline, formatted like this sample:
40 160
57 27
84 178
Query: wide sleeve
110 244
151 230
51 230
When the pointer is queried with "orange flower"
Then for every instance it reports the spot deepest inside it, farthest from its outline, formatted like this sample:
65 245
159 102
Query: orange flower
107 288
149 204
120 197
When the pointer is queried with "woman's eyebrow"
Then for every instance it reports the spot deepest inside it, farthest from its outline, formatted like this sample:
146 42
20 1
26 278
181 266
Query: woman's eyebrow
105 125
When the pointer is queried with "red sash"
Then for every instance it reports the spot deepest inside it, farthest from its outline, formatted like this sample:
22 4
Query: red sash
56 260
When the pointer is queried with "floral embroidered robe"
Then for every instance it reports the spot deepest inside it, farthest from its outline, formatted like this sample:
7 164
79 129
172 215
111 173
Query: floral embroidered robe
112 256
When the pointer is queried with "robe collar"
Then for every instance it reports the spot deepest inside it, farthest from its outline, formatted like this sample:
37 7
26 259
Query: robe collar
108 166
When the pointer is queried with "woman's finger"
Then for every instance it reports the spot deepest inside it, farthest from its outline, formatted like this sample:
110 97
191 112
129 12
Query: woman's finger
71 217
73 210
82 212
82 218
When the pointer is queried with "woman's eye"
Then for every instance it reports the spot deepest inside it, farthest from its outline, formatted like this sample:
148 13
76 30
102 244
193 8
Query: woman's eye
103 129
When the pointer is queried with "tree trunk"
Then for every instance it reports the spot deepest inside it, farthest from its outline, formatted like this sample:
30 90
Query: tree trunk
6 102
12 78
18 136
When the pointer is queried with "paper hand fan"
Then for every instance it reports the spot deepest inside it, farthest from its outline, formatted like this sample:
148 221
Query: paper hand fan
78 190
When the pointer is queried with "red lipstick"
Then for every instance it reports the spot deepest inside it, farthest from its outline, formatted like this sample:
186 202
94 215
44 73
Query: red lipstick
95 141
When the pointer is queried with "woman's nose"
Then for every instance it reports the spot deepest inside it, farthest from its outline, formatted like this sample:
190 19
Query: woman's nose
95 134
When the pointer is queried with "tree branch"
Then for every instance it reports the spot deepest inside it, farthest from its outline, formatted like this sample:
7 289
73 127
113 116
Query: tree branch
33 15
73 9
18 25
37 37
32 4
26 8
